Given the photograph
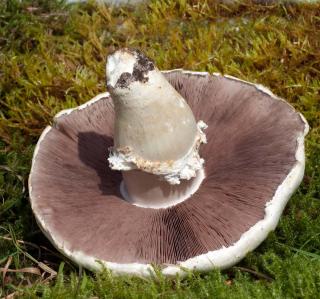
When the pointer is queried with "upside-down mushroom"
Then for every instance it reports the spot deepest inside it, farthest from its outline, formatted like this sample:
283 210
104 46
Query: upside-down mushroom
200 168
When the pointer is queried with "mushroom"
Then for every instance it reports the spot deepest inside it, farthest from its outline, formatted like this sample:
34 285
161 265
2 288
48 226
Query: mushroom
164 198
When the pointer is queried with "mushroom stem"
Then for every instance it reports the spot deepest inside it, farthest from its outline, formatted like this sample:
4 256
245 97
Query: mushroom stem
156 137
146 190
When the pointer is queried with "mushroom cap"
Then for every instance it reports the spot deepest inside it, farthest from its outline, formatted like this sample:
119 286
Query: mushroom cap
254 160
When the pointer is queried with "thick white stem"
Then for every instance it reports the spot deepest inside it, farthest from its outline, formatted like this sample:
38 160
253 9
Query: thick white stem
155 131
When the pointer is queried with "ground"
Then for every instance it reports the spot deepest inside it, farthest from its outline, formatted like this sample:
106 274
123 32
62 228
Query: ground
53 57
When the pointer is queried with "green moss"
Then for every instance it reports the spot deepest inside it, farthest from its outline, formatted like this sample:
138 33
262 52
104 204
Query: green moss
52 57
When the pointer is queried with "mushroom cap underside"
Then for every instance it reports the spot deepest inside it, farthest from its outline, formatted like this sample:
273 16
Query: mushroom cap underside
254 160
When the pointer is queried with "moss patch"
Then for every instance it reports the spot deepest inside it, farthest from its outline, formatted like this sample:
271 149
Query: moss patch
52 57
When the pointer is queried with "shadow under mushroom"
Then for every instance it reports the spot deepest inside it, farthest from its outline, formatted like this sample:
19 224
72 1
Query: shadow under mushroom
93 152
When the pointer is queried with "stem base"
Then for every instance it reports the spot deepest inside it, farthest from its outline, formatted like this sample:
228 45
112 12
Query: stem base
145 190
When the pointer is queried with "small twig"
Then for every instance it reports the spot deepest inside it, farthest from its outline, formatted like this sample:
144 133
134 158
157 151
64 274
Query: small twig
31 270
5 270
47 269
